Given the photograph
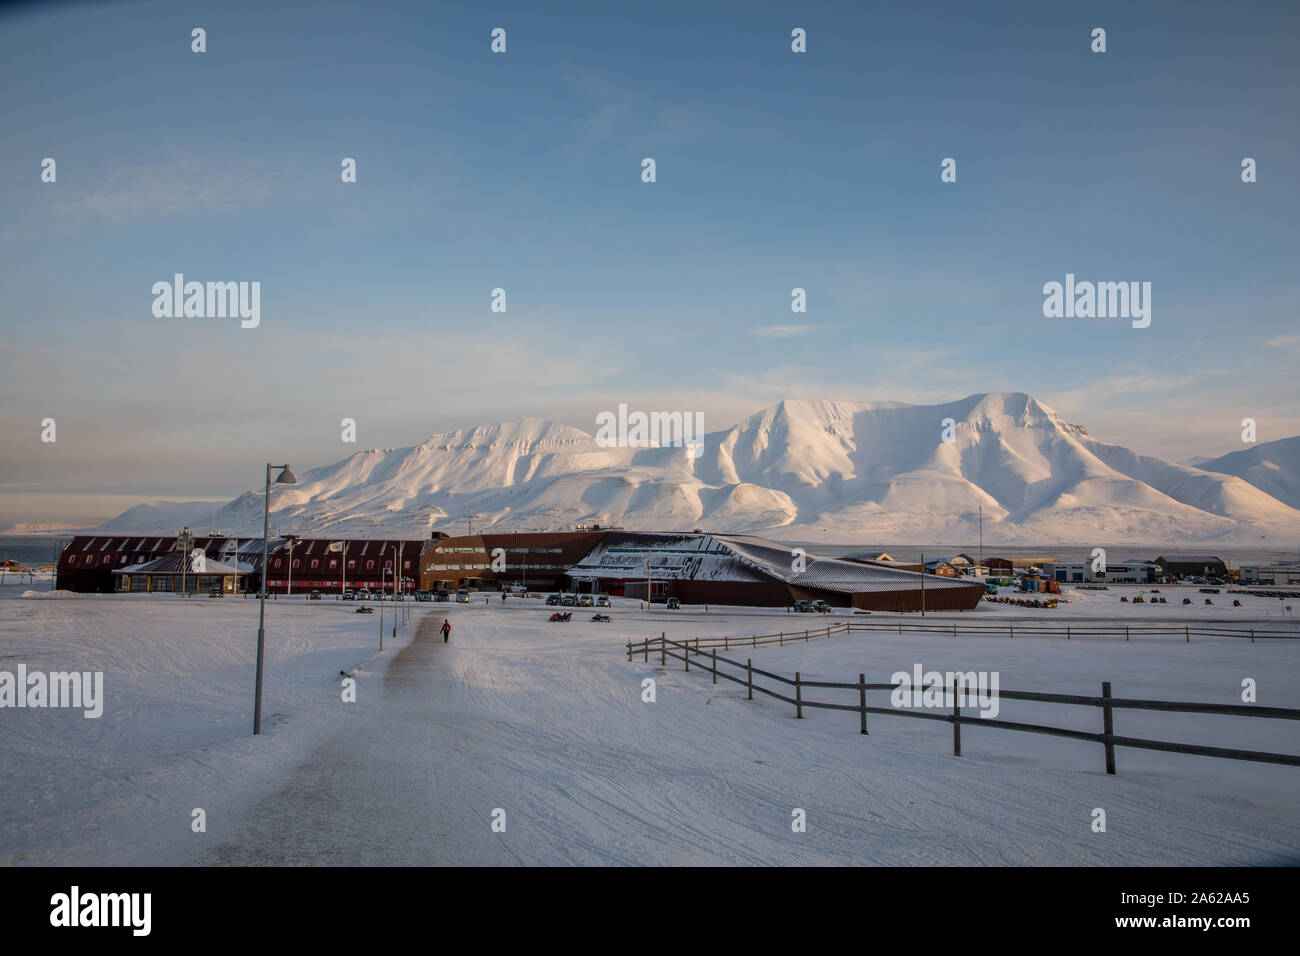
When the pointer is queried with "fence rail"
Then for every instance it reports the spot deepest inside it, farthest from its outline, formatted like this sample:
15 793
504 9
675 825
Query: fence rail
1009 628
1106 702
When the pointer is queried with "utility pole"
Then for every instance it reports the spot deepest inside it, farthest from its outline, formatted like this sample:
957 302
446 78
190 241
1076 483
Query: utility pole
397 570
981 532
649 593
922 584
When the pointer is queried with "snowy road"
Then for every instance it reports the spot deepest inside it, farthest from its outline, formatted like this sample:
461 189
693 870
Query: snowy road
546 722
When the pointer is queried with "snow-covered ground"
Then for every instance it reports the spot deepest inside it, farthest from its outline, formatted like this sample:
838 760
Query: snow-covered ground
546 722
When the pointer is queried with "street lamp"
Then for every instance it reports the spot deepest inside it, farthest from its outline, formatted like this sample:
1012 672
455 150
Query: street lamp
292 539
286 478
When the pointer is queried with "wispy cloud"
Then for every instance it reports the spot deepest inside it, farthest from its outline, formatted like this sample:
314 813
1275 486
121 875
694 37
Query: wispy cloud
785 331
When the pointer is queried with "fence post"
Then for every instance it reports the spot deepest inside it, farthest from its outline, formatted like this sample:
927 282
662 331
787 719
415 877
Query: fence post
781 638
629 652
663 649
726 643
1252 636
646 647
1013 630
686 653
753 640
798 696
1107 727
715 665
749 676
956 720
805 635
954 629
862 699
1126 632
1067 632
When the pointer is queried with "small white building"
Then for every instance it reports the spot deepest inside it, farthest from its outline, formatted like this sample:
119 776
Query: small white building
1125 572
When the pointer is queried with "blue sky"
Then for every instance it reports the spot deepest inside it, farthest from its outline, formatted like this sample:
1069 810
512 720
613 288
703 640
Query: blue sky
522 171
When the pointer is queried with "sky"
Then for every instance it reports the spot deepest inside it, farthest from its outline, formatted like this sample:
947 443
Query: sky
522 170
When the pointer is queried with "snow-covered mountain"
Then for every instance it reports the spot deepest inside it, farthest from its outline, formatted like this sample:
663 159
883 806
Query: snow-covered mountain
805 470
1273 467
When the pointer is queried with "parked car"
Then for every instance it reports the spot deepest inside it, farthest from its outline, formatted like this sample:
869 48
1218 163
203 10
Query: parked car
314 596
603 601
423 595
586 600
441 595
462 596
673 604
216 592
553 600
803 606
569 600
363 594
349 595
821 607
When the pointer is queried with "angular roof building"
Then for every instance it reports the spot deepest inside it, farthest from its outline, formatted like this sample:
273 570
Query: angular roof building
742 569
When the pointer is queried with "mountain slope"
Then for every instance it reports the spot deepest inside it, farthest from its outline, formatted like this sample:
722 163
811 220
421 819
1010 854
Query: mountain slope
806 469
1273 467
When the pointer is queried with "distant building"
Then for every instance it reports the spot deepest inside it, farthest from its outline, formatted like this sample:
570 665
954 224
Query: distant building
1270 575
88 563
747 570
1192 565
536 559
1126 572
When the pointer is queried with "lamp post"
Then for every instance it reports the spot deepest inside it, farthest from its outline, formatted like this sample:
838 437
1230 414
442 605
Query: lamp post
286 478
292 539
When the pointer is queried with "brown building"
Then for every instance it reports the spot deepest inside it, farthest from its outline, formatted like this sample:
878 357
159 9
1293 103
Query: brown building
745 570
88 562
534 559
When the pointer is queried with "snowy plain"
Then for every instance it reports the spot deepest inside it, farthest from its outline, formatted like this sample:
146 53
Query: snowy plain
546 722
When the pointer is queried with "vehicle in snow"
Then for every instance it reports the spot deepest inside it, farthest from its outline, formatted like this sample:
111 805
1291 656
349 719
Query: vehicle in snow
557 616
603 601
462 596
569 600
821 607
442 595
586 600
803 607
313 596
365 610
349 595
673 604
423 596
602 618
553 600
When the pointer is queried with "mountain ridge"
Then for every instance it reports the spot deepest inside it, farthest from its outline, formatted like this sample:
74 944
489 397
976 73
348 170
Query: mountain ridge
799 467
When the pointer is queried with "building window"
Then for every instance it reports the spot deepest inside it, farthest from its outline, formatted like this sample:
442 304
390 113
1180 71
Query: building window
314 563
296 562
352 564
370 565
333 564
277 561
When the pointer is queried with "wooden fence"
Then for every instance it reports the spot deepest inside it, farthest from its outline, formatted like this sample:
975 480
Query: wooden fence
684 650
1010 628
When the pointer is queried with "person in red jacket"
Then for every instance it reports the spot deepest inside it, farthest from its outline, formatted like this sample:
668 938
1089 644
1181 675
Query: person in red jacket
446 630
